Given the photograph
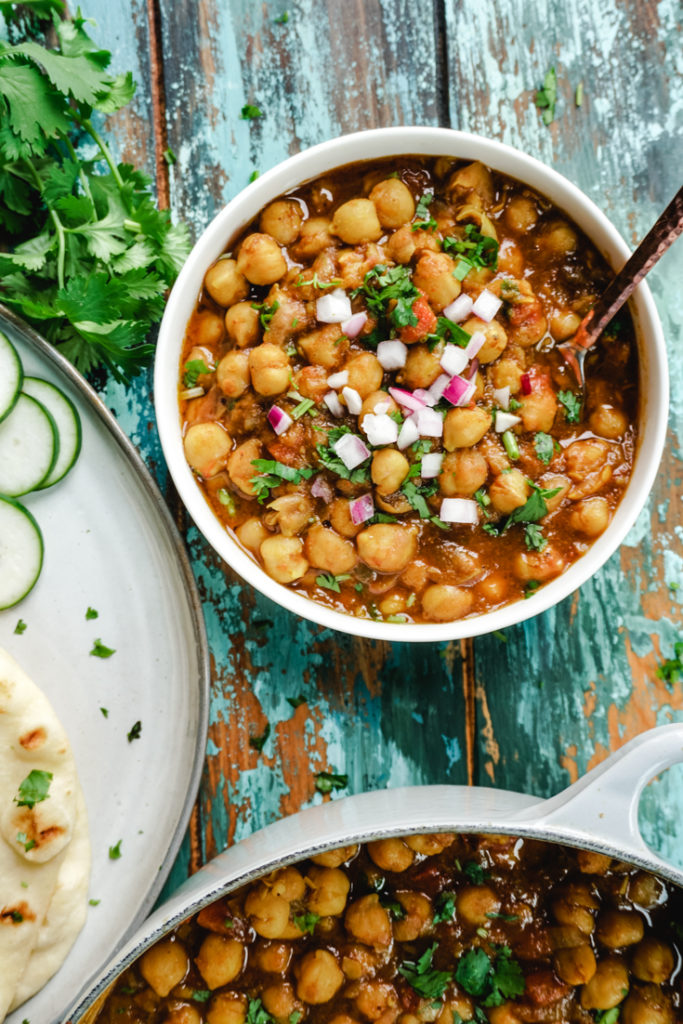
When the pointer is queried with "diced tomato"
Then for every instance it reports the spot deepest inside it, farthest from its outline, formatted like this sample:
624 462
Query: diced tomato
426 322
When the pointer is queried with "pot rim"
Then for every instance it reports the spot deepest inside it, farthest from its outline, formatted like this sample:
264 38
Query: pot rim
597 813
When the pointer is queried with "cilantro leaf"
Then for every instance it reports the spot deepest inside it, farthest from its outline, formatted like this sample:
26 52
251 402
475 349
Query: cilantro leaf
34 788
534 508
491 979
423 978
99 650
272 474
331 582
259 742
543 444
135 731
546 97
383 286
256 1014
572 405
194 368
307 921
474 250
445 908
422 217
20 627
115 851
91 613
533 537
297 701
671 670
475 872
249 112
325 782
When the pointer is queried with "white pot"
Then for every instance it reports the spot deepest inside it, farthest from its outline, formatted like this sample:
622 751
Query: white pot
370 145
599 812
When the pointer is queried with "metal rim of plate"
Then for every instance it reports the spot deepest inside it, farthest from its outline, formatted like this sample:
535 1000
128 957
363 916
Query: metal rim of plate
190 590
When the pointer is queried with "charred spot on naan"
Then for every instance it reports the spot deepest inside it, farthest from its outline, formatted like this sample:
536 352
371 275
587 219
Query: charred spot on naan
33 739
17 914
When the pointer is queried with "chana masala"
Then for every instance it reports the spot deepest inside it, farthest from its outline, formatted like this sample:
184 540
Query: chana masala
454 929
373 402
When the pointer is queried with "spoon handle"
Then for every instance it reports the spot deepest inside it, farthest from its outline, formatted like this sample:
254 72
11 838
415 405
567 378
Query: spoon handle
663 233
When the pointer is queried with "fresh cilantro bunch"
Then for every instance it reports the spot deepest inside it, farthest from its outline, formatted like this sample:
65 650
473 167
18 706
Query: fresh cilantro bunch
85 255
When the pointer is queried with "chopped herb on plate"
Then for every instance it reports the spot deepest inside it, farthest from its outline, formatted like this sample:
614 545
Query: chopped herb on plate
20 627
135 731
426 980
546 97
325 782
249 112
259 742
115 851
100 650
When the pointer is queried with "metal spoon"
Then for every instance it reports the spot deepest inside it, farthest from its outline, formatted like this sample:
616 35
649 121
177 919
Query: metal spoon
664 232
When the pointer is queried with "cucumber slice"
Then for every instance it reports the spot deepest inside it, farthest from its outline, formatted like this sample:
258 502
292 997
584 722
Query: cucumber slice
29 445
21 552
68 423
11 376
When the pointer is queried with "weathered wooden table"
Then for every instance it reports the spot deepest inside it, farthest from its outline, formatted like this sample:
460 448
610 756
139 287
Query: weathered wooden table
528 710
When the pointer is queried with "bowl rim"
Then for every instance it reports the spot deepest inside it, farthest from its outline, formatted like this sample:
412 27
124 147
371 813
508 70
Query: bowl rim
375 144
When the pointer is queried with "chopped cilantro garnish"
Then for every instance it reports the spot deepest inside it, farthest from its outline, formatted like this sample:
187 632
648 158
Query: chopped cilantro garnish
201 995
99 650
543 444
572 405
325 782
534 508
422 217
306 922
20 627
491 529
671 671
266 312
491 979
135 731
282 19
304 406
331 461
272 473
502 917
513 405
447 331
34 788
445 908
417 496
194 368
475 872
482 498
578 95
500 636
546 97
24 841
105 712
423 978
510 445
170 157
296 702
533 537
115 851
607 1016
227 501
382 286
249 112
315 282
474 250
92 613
295 1016
17 916
259 742
94 903
253 176
396 911
330 582
531 588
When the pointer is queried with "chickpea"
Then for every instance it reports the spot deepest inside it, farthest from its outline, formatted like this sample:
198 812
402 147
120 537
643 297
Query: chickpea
417 917
405 242
474 177
391 854
430 843
290 513
339 515
219 960
464 427
495 334
335 858
510 258
225 283
287 883
227 1008
232 374
183 1013
282 219
645 890
270 369
509 491
365 373
367 921
393 603
319 977
576 964
283 559
327 550
503 1014
394 202
267 912
315 237
311 382
538 410
206 448
242 324
591 863
574 908
463 471
493 587
387 547
377 999
520 214
206 328
356 222
388 470
618 928
433 275
251 534
329 889
377 398
653 960
164 966
443 603
260 259
563 324
325 347
607 987
475 902
272 957
422 367
608 421
278 999
241 465
585 457
555 482
507 373
590 516
647 1005
558 238
538 565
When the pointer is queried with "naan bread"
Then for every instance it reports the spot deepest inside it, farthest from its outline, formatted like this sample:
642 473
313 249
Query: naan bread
44 849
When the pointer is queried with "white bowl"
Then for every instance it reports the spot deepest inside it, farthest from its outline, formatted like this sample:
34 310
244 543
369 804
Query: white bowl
370 145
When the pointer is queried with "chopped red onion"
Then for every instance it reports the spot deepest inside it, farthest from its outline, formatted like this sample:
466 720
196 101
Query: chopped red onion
459 510
408 433
333 403
486 305
431 465
430 423
406 398
425 396
279 419
354 403
380 428
352 450
320 488
354 325
459 309
472 369
526 383
474 344
338 380
459 391
392 354
454 359
505 420
502 396
333 307
437 389
361 509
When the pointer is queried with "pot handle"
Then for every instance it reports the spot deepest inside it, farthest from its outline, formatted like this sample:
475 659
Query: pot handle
602 807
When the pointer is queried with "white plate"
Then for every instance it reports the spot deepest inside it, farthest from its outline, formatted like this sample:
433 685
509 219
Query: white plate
110 544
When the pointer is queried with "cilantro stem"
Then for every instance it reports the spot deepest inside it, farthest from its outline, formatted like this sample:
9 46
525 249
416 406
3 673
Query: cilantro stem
59 227
104 149
82 177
